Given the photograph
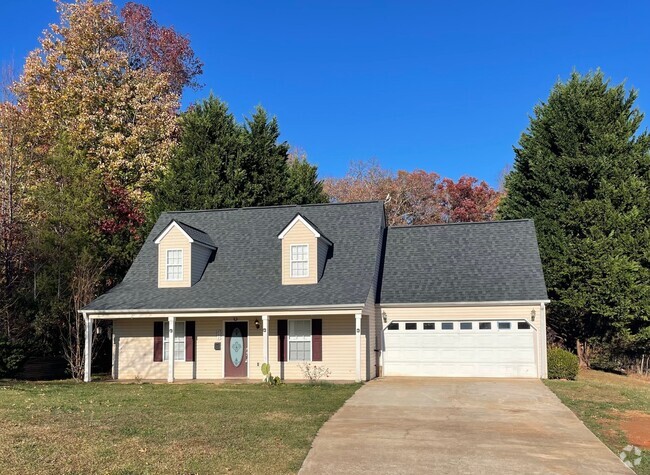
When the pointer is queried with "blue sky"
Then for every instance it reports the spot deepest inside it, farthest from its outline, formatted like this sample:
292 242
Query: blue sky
445 86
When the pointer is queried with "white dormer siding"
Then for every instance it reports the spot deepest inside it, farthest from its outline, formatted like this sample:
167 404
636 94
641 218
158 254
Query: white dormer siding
300 233
195 257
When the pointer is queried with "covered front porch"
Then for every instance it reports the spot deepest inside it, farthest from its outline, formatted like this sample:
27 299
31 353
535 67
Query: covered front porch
213 346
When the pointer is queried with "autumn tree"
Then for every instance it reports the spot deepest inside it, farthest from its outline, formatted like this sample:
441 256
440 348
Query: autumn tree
582 172
101 94
416 197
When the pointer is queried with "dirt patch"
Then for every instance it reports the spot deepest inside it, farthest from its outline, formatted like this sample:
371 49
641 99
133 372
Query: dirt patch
636 426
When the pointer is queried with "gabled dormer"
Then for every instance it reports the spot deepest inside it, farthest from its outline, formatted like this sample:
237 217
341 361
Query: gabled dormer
304 252
183 254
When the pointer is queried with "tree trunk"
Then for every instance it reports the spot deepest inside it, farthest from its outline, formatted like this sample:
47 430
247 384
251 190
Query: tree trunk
584 353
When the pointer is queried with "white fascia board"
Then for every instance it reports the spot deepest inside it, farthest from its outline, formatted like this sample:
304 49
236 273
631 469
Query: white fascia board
466 304
350 307
169 228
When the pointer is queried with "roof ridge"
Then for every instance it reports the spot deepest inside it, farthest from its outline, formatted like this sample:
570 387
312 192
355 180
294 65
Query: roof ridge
500 221
243 208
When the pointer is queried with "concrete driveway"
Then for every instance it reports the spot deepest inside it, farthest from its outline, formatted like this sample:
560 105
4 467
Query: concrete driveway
439 425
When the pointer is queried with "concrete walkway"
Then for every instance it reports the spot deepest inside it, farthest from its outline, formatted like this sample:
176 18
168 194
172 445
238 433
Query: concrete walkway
469 426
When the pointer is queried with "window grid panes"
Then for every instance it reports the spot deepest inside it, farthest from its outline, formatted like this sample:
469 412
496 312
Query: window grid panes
179 341
175 264
299 340
300 260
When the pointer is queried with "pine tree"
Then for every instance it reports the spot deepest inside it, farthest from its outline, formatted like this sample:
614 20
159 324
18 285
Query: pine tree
582 172
220 163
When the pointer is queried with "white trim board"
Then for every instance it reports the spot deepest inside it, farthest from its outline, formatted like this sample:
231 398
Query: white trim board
465 304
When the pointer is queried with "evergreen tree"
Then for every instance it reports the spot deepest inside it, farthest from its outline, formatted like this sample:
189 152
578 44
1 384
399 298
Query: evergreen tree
304 186
219 163
582 172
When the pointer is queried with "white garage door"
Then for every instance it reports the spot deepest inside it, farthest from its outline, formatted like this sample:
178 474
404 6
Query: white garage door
478 348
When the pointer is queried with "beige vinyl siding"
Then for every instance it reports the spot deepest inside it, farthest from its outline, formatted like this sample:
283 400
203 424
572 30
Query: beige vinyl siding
133 353
299 234
133 349
199 259
338 348
174 239
372 313
479 312
323 249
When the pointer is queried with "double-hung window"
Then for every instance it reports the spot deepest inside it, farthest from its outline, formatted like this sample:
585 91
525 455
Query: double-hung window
299 340
300 260
175 264
179 341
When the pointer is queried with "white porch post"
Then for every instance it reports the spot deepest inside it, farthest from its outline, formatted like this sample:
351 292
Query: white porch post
265 338
88 347
170 348
357 336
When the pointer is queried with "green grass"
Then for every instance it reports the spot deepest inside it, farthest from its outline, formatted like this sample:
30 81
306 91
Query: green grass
603 401
63 427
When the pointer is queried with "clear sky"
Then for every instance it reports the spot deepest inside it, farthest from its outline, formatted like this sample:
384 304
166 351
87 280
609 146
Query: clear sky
443 86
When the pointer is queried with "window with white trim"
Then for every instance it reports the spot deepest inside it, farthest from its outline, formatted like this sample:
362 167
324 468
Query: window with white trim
179 341
299 340
299 260
174 264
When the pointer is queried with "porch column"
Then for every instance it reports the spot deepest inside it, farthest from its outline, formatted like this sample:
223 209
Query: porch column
170 348
357 337
88 347
265 338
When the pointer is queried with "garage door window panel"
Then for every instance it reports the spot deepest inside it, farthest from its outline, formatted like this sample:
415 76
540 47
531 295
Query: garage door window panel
410 326
429 326
447 326
504 325
393 326
465 325
485 326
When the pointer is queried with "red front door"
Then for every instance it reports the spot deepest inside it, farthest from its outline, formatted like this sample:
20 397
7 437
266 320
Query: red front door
236 350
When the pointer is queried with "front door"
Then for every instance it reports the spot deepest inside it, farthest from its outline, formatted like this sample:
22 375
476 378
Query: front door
236 350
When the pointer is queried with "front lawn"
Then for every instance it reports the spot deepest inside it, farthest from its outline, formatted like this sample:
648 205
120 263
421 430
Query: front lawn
615 408
64 427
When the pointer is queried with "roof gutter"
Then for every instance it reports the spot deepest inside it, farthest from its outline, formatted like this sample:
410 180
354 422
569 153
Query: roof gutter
466 304
224 309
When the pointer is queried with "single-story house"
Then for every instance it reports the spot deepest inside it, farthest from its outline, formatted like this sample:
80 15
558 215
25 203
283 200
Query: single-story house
215 294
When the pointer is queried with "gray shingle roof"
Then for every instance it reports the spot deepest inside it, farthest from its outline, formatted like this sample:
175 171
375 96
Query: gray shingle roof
473 262
196 234
246 269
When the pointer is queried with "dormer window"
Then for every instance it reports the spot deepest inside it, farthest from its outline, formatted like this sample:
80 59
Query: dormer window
175 264
305 252
183 255
299 260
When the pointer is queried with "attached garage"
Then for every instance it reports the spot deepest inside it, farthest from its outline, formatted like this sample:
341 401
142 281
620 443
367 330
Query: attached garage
463 348
463 300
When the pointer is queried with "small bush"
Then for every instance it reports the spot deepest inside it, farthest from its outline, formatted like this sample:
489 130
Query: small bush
11 358
562 364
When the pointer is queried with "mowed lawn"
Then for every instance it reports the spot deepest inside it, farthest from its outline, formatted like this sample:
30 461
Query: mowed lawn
615 408
65 427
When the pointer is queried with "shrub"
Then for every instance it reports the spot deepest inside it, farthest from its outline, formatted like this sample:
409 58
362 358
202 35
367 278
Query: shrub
11 358
314 373
562 364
